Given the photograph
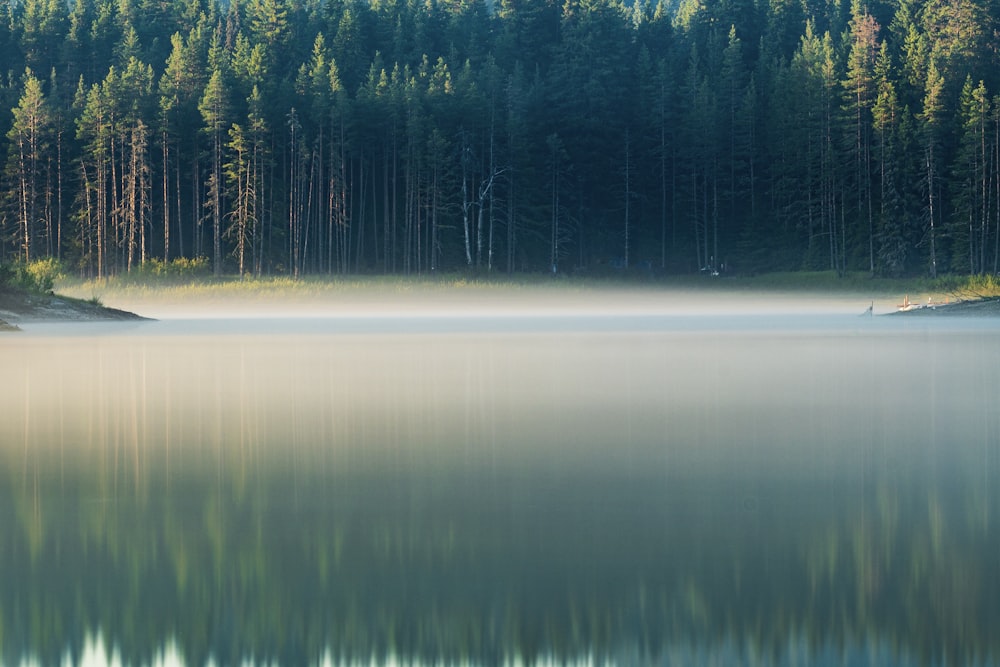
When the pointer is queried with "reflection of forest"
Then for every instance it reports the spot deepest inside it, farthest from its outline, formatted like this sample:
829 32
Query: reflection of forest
286 561
278 498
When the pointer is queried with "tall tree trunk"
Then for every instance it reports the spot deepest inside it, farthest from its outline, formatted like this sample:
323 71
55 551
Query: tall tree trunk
166 196
628 193
930 209
216 193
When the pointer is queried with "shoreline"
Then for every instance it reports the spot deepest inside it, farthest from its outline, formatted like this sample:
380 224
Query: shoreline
19 306
979 307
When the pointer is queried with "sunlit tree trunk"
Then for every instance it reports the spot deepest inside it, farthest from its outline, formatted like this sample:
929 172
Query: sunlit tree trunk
996 183
213 107
931 119
555 174
628 195
32 122
467 202
238 173
165 191
860 96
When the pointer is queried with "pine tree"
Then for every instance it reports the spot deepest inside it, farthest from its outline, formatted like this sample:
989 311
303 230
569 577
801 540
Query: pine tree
957 33
27 160
44 24
94 131
859 96
214 108
348 47
736 119
931 130
970 194
891 248
180 89
240 193
136 206
811 193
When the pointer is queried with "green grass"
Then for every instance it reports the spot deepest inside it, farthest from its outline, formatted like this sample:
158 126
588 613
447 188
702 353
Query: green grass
192 282
37 276
983 287
861 283
276 285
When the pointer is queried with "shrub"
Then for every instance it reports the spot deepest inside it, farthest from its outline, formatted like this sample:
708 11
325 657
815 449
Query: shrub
985 285
176 270
38 276
44 273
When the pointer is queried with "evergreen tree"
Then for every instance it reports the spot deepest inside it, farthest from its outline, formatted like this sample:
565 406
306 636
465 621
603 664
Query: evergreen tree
94 131
180 88
736 127
214 108
136 202
971 180
349 46
891 247
932 129
812 193
43 27
29 169
859 96
432 135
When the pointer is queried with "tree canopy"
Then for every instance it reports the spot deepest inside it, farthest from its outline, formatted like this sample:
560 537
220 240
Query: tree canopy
355 136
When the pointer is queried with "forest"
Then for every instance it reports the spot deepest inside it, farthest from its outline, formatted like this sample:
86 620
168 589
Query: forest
327 137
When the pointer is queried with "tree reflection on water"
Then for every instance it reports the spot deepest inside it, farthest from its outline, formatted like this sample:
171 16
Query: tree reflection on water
276 563
222 520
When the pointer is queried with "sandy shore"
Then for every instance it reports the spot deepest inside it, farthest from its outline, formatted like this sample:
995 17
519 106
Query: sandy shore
986 307
18 306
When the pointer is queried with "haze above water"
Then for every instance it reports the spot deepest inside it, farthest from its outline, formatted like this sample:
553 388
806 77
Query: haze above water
482 477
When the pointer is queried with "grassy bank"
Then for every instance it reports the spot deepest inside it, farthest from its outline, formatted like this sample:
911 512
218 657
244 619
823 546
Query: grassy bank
278 287
201 285
957 287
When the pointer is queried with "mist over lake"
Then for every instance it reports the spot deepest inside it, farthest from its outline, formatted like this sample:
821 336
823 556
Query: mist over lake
621 478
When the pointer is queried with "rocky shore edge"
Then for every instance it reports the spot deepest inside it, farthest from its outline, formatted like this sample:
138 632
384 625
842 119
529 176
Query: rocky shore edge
18 306
975 307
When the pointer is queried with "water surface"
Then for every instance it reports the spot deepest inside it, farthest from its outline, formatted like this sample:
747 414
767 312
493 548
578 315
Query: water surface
535 487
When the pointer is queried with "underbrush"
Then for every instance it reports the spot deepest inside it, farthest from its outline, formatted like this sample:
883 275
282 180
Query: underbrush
972 287
194 277
37 276
953 287
183 278
176 271
830 281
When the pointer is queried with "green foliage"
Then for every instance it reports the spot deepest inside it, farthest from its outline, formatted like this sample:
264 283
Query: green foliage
378 138
984 285
969 287
38 276
179 270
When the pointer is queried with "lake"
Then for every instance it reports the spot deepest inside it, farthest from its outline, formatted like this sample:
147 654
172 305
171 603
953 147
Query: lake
624 486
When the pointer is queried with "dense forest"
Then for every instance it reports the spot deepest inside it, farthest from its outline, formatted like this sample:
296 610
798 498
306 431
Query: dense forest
413 136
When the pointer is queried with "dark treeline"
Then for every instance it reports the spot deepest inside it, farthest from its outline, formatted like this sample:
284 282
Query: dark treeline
406 136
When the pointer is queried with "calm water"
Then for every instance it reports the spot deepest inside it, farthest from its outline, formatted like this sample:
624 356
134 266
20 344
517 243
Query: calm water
471 490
